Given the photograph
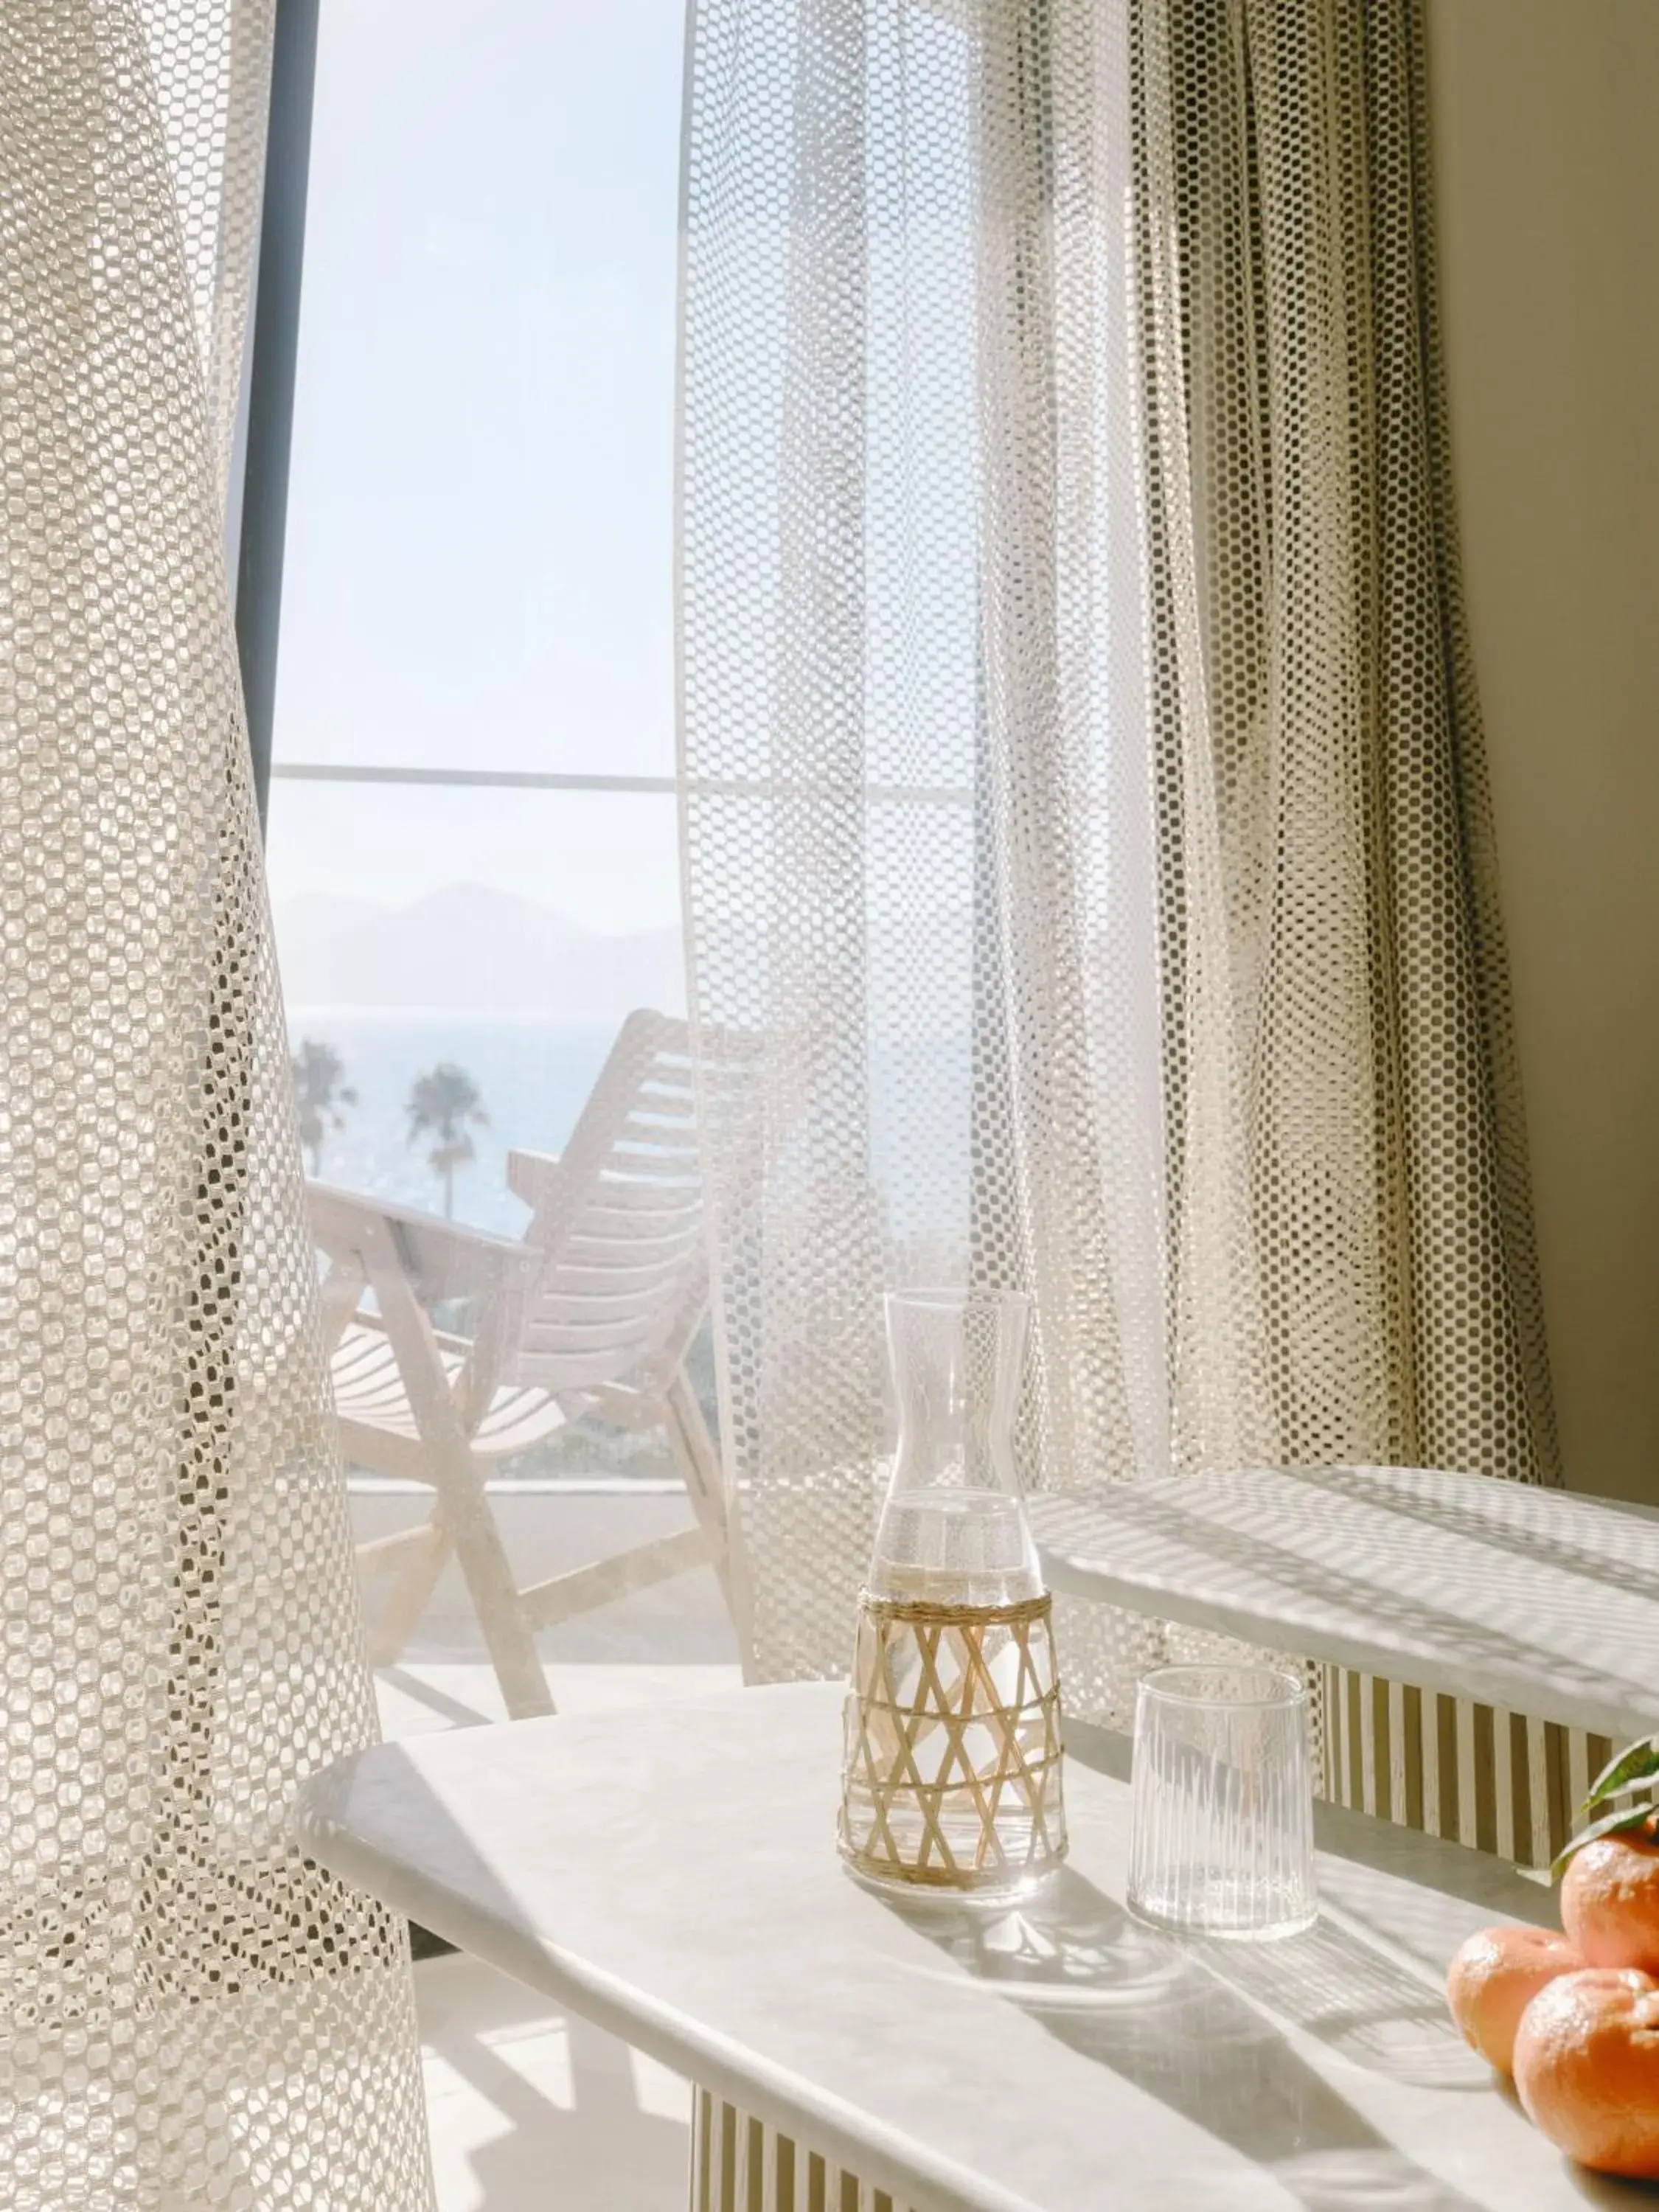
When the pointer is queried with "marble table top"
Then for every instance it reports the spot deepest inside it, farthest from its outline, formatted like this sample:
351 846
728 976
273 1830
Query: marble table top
1538 1601
671 1874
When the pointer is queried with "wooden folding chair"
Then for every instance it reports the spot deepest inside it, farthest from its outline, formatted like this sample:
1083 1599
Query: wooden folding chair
590 1315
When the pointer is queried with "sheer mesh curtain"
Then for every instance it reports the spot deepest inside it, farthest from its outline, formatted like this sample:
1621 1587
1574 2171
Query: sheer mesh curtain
193 2016
1084 782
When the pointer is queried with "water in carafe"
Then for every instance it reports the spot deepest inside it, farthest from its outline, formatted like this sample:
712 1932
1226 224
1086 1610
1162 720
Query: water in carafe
966 1547
954 1660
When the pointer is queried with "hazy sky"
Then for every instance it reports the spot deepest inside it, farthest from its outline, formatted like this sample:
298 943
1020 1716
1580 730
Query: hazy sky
480 529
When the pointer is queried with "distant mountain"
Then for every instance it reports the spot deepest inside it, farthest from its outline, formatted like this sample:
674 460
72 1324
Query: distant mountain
468 947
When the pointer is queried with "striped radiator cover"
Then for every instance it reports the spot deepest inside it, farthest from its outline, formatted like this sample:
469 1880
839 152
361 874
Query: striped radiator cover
1494 1780
741 2165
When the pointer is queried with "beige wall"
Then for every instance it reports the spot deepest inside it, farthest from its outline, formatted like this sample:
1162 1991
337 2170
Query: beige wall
1546 122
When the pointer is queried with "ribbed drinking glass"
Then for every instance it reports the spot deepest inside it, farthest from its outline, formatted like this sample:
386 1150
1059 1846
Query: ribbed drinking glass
1222 1818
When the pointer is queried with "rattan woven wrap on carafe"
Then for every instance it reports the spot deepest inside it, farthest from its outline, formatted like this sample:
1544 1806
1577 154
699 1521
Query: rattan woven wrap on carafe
951 1779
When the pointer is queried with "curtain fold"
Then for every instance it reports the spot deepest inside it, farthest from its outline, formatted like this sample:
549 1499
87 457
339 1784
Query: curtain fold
1082 778
1305 521
193 2015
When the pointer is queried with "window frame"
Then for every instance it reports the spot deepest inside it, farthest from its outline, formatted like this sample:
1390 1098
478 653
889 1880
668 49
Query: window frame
273 344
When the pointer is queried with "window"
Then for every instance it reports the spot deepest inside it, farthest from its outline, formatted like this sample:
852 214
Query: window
477 580
473 840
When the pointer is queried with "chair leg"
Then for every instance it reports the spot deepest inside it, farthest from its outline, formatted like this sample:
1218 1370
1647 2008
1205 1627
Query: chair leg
459 1479
694 1451
705 1483
502 1614
495 1598
410 1593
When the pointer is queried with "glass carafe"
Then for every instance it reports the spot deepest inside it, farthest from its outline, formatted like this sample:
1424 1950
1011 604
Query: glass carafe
951 1773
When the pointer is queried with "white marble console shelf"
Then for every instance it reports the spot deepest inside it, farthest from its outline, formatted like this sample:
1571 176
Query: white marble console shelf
1538 1601
672 1874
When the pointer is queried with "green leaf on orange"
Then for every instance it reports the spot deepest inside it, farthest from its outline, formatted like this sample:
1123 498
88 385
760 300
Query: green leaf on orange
1637 1762
1622 1819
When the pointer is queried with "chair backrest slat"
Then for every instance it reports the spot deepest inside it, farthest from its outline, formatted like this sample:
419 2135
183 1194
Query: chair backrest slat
614 1195
625 1280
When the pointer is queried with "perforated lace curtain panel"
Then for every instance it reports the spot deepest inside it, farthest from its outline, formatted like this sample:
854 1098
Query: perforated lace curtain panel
1083 782
190 2016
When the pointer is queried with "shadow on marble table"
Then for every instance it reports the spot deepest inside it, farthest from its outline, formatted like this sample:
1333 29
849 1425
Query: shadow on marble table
1165 2016
1196 2024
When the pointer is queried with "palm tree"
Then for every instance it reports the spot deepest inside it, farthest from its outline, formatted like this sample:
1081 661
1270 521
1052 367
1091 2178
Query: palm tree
444 1101
320 1094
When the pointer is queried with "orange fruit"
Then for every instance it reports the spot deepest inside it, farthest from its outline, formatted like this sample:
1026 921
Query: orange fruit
1610 1901
1587 2068
1495 1976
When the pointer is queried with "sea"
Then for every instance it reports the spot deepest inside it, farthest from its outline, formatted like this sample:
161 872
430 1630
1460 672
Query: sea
533 1076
